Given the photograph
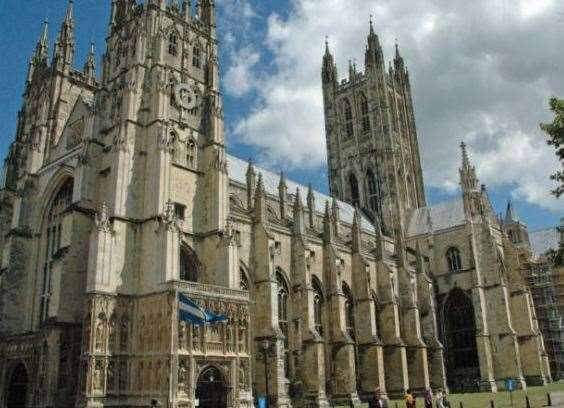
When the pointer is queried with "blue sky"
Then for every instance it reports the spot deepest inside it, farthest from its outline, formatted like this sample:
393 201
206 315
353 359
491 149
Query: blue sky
467 85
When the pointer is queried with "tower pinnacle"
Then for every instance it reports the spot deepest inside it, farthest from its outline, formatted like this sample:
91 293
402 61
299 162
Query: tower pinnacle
41 50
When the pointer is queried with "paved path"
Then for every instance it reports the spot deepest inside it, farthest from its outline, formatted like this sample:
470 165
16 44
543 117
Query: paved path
557 399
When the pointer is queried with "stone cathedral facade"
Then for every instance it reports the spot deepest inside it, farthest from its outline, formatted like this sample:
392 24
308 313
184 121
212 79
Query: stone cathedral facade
118 194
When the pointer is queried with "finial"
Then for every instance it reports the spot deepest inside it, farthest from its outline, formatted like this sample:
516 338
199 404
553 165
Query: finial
397 49
69 14
465 159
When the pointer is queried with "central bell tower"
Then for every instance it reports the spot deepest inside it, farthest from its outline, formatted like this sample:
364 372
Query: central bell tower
372 147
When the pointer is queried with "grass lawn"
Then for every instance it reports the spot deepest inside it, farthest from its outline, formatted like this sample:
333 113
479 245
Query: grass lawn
537 397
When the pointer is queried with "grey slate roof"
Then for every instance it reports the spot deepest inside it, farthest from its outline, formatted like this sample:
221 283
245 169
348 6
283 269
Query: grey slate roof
444 215
544 240
238 173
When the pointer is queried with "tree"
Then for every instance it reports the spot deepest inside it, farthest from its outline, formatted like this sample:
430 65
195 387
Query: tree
555 132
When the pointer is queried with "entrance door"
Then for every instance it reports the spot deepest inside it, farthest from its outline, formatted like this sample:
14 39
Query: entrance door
17 388
462 362
211 390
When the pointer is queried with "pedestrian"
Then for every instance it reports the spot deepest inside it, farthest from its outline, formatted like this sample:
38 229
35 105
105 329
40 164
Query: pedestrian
409 400
439 399
377 401
428 398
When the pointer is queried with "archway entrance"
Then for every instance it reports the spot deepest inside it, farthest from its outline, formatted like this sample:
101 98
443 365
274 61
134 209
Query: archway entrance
211 390
459 338
17 388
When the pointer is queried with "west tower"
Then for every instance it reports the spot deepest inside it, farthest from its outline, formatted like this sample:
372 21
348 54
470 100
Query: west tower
373 152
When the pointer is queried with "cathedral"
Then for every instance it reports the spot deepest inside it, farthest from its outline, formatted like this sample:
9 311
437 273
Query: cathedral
118 194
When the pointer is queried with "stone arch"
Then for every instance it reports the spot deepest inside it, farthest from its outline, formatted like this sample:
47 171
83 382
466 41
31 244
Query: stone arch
377 313
190 267
212 387
319 299
59 198
245 276
236 201
365 112
349 309
354 189
18 387
458 326
348 117
284 314
62 176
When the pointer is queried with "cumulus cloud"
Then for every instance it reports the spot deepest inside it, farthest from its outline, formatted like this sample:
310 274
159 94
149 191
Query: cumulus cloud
240 79
481 72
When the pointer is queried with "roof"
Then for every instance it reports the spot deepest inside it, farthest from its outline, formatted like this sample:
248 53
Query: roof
238 173
544 240
444 215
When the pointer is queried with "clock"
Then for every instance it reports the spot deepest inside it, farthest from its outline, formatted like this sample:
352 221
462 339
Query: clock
185 96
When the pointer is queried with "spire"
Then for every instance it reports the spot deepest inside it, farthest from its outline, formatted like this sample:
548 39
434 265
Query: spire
260 202
328 230
42 48
374 55
311 206
329 69
207 12
511 216
465 159
64 47
251 178
399 64
356 232
379 244
282 195
90 65
336 215
468 179
299 220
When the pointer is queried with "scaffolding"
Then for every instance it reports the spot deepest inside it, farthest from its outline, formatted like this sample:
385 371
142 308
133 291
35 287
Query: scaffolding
539 276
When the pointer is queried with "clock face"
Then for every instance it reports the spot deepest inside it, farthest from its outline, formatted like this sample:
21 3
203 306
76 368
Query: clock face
185 96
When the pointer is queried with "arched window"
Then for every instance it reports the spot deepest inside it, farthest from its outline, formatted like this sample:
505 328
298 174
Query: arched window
173 44
197 56
318 302
355 195
244 280
191 154
283 295
364 112
453 259
372 191
377 316
52 233
190 266
347 110
172 99
349 311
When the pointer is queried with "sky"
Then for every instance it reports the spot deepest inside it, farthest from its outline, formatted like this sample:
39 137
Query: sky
481 72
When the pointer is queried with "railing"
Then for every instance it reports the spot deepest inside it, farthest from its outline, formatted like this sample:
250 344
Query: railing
211 291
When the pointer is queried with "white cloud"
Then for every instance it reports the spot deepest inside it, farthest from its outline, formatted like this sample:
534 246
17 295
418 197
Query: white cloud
481 71
240 78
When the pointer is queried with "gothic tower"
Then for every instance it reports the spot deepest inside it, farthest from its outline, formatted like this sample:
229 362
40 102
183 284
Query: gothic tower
372 146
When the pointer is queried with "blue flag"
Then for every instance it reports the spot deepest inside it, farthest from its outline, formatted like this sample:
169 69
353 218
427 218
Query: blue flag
192 313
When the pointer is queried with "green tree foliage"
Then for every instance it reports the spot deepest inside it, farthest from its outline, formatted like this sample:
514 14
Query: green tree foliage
555 132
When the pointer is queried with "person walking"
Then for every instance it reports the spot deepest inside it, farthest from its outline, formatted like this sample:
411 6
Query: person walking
409 400
439 399
377 401
428 398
